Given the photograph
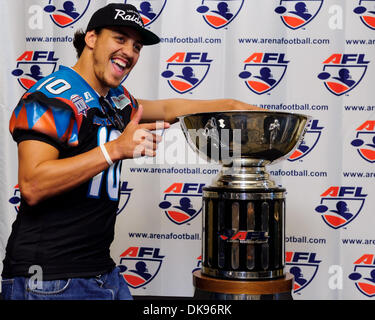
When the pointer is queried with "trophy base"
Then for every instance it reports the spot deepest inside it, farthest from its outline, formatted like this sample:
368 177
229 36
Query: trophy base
243 275
207 288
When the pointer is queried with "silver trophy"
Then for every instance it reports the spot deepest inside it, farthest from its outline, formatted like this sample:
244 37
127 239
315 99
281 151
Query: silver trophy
243 209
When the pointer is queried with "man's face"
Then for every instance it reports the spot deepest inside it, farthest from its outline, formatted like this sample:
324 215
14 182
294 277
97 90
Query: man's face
115 53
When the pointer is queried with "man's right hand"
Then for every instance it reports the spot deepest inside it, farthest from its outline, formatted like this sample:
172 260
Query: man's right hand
137 139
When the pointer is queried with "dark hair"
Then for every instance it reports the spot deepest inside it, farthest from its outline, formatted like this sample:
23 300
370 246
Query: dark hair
79 42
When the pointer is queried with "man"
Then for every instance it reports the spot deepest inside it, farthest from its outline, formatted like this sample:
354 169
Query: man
72 128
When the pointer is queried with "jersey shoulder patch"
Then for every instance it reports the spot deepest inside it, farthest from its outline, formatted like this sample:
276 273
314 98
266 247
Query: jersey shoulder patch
121 98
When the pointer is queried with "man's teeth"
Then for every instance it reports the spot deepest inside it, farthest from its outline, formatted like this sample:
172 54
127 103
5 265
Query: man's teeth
120 63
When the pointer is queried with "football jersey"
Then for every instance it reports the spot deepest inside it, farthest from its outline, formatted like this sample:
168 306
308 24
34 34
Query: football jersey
68 235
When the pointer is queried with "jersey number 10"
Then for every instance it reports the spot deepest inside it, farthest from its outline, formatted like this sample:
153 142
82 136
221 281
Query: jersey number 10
113 172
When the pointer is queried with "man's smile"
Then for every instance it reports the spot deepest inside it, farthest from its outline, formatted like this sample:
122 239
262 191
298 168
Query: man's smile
120 65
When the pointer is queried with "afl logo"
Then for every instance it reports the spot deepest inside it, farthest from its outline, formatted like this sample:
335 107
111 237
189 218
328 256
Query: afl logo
186 70
66 13
366 10
16 198
339 206
124 198
365 141
198 264
182 202
310 140
296 14
149 10
363 275
218 14
263 71
140 265
343 72
33 66
304 267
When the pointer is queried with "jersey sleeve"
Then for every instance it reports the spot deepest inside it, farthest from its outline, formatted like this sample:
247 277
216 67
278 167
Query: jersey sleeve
51 120
133 102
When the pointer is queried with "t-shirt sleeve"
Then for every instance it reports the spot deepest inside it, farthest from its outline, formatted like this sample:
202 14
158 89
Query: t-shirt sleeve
50 120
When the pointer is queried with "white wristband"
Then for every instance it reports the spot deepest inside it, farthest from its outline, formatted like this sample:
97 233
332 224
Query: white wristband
106 155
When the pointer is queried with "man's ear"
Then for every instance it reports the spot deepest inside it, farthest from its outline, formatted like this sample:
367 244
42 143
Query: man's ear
90 38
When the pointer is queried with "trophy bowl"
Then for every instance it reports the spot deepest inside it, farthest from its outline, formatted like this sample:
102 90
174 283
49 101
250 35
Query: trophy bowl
244 142
253 136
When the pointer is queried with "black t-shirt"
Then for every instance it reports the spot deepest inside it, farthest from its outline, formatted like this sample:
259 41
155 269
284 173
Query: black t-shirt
68 235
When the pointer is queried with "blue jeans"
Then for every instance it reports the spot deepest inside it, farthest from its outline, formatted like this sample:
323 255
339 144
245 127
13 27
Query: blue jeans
110 286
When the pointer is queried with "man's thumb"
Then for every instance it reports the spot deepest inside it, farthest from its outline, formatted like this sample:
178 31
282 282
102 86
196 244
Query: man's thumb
138 115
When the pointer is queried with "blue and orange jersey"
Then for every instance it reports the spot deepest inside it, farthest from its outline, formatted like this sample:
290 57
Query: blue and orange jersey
72 232
61 104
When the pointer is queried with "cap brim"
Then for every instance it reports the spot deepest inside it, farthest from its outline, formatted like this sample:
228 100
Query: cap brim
148 37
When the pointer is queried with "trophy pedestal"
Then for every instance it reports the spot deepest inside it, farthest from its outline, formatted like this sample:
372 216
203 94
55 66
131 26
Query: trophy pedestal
208 288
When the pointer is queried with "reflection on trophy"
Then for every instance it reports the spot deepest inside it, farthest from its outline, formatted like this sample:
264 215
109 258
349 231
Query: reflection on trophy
243 209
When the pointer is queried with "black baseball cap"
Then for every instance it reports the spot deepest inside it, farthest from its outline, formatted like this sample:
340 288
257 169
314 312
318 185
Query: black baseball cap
122 15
